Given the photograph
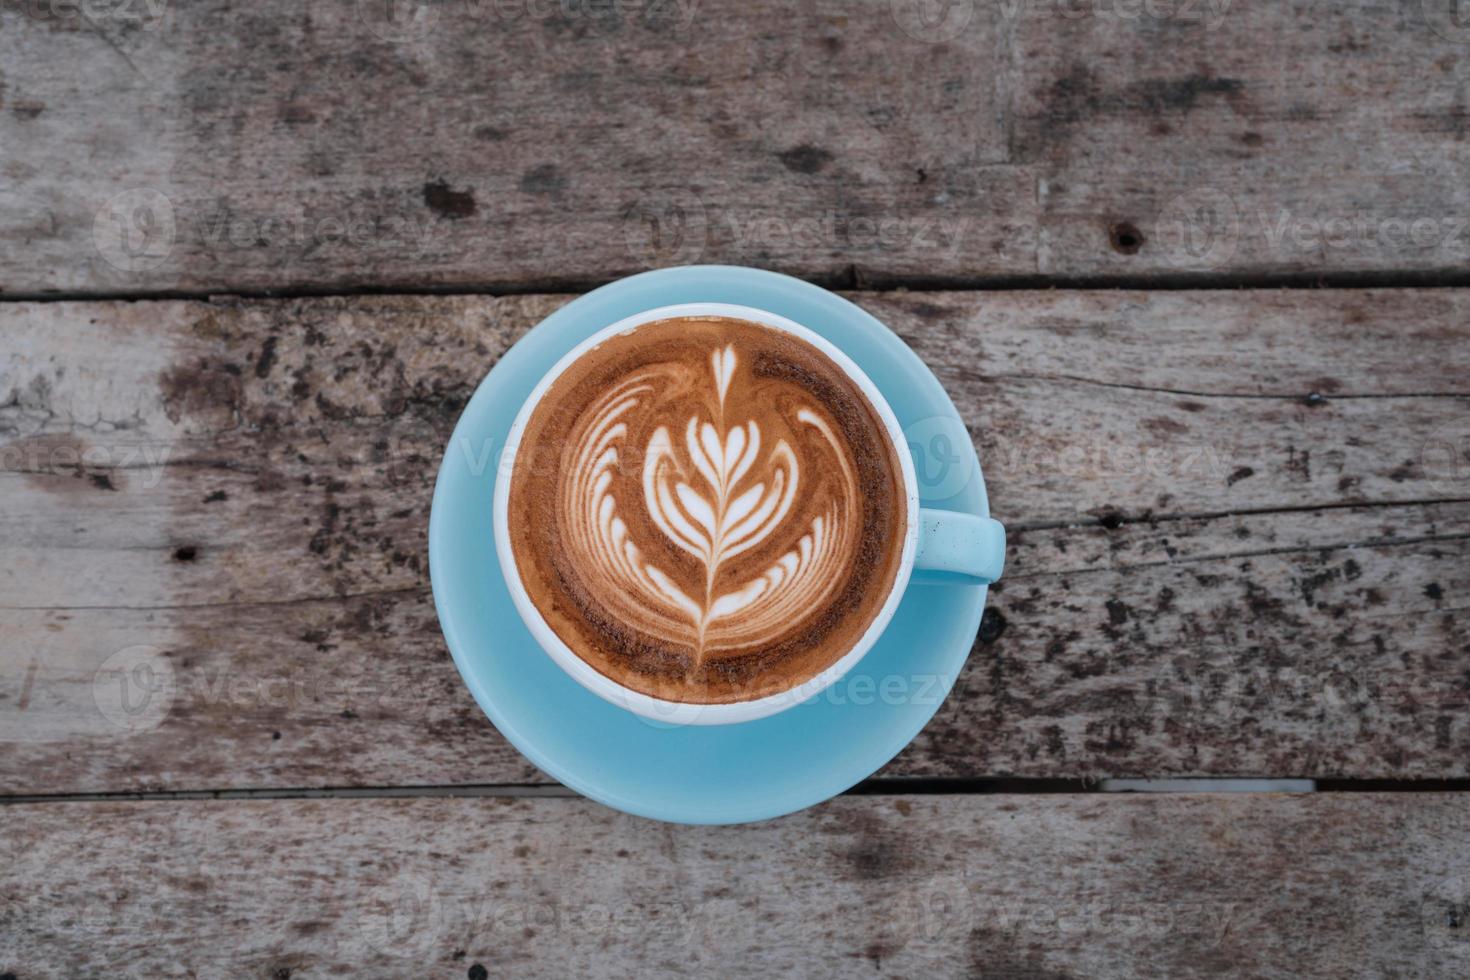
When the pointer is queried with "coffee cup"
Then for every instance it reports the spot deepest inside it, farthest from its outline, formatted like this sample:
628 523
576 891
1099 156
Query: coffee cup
954 547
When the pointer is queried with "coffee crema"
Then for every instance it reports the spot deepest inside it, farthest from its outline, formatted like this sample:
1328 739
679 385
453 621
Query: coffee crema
707 510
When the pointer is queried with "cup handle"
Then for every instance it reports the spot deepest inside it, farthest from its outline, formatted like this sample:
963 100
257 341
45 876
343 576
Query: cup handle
958 548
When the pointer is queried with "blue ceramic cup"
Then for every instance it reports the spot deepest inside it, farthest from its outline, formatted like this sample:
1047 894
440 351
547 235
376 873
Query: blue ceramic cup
946 545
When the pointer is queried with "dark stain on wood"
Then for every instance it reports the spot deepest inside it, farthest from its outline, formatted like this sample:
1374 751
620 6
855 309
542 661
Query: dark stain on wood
879 850
267 357
207 386
1079 94
1434 591
925 310
271 481
1182 94
448 203
1073 95
992 626
1241 473
1165 426
878 951
296 114
805 158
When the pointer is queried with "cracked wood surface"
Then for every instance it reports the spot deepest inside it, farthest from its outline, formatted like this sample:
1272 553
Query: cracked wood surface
217 147
1331 885
1237 548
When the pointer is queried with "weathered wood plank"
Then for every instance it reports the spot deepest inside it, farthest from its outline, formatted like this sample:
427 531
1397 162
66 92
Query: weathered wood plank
484 144
1316 644
1051 886
238 491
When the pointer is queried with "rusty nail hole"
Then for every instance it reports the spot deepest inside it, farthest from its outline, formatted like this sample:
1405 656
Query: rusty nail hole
186 553
1125 238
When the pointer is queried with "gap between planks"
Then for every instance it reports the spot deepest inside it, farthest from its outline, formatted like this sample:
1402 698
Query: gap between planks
871 787
853 279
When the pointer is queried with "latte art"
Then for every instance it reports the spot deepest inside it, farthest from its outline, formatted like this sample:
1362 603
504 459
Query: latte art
714 494
706 510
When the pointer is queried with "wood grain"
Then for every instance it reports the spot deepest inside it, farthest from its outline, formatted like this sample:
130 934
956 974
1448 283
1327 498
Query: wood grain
1053 886
1233 551
470 144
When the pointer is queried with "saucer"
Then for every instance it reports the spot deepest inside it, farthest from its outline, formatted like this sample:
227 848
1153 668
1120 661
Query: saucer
702 774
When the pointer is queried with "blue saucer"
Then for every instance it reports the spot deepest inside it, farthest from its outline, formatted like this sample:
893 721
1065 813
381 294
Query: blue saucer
720 774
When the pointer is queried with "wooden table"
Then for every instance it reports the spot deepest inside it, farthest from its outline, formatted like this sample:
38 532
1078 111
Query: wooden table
1193 273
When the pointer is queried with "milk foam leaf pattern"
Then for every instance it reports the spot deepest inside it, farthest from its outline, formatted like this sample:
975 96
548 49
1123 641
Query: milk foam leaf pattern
715 491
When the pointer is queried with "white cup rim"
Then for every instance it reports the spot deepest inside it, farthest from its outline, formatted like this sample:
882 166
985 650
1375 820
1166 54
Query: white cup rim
678 713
